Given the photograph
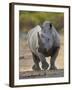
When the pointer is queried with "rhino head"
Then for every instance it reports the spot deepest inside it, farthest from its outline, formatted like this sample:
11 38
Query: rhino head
45 38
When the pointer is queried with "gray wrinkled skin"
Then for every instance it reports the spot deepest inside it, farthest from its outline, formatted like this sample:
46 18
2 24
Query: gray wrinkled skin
44 41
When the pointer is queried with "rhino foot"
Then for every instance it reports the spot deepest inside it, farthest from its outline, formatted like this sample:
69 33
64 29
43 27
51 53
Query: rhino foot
53 68
45 65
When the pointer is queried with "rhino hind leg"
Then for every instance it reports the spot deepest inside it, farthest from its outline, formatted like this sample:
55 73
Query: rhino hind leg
36 60
53 59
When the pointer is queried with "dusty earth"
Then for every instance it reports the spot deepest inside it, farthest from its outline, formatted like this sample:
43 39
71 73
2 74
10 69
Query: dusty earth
26 61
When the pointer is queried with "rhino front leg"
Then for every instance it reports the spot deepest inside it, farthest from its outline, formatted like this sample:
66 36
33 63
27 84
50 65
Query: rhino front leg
53 59
45 65
36 63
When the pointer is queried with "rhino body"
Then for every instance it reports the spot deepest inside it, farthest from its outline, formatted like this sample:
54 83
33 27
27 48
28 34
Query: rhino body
44 41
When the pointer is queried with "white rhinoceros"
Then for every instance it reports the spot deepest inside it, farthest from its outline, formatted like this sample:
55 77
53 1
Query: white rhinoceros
44 41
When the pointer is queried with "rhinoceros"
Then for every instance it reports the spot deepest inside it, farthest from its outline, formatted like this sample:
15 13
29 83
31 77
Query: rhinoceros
44 41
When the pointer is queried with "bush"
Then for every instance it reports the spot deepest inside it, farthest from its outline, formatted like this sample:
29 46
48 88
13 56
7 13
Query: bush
30 19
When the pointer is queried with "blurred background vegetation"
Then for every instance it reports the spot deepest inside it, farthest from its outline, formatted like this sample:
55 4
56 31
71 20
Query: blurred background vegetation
29 19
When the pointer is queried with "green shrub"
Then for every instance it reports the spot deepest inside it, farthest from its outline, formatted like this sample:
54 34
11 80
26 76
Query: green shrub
28 20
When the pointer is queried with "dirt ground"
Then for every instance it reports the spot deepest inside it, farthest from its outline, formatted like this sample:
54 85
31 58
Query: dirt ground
26 60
